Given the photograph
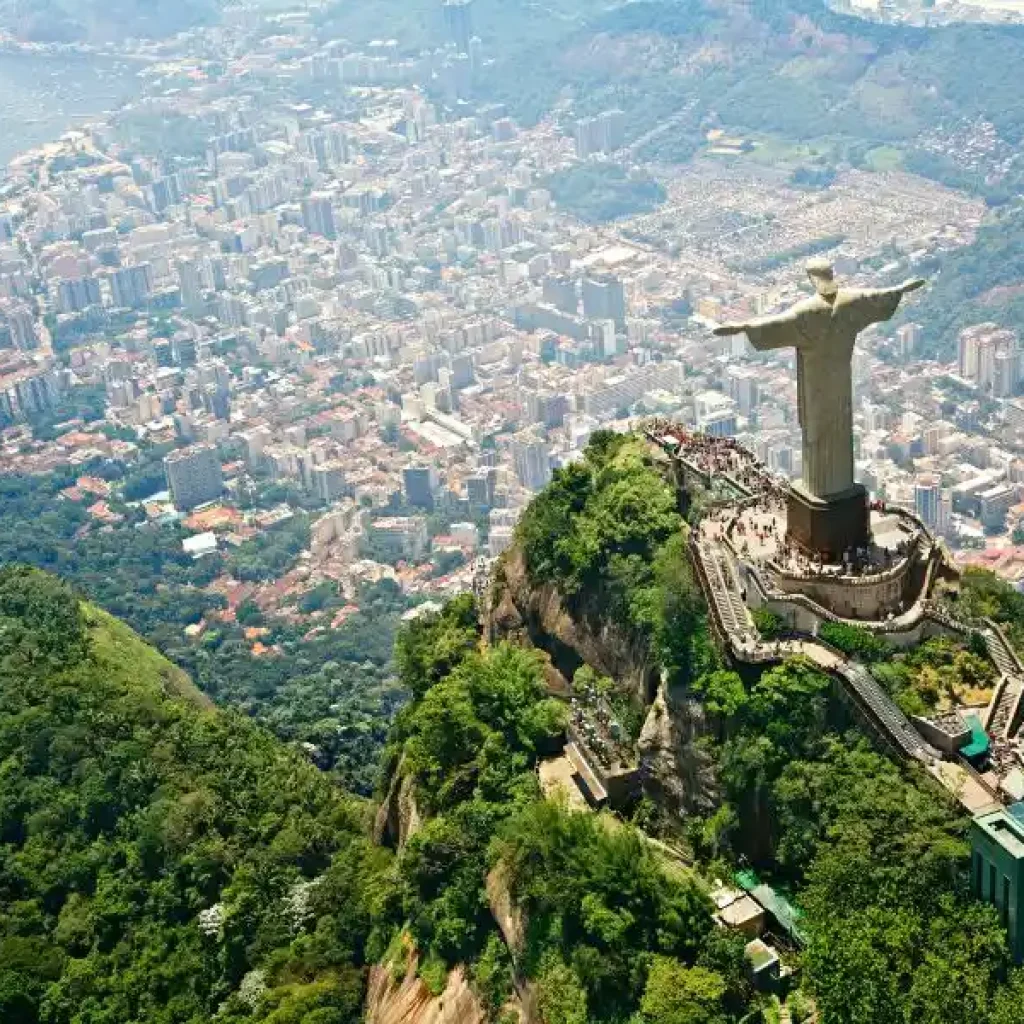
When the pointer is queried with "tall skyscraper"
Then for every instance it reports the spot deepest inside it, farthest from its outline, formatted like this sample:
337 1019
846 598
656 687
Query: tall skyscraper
328 146
20 324
1006 373
193 476
928 498
131 286
419 484
907 337
604 133
190 279
604 298
184 349
546 408
744 387
480 488
989 356
560 292
458 22
318 214
76 294
532 461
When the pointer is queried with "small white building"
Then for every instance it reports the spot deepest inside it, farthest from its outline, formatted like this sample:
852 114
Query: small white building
199 545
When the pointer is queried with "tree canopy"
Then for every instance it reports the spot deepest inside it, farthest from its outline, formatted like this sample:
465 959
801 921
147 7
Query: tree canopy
159 860
608 534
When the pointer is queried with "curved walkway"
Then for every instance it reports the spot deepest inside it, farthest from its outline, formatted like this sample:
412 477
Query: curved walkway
716 562
725 599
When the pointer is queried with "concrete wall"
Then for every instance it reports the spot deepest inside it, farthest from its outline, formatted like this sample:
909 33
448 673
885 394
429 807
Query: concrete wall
851 599
803 616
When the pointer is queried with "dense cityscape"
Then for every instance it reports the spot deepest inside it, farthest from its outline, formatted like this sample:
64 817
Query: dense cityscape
512 514
388 315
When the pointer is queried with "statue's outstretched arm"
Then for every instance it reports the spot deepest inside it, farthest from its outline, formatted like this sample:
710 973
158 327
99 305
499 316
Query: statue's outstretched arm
910 285
867 306
765 332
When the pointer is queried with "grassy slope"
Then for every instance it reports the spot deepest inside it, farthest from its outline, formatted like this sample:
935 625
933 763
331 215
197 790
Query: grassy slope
129 660
130 807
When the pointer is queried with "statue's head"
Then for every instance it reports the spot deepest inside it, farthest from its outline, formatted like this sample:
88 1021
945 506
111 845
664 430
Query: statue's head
823 277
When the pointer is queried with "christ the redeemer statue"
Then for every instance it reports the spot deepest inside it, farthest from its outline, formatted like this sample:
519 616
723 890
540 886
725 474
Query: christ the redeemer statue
823 330
828 512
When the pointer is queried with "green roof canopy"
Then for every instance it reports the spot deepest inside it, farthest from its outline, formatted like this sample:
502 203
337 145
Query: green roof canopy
979 743
775 903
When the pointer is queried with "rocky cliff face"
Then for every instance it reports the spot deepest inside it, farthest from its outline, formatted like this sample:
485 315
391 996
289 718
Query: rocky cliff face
506 915
537 616
679 773
409 1001
398 817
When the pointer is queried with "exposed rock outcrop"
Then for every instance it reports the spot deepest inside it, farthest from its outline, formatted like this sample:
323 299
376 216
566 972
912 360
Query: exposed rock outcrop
678 772
398 817
677 768
409 1001
538 617
506 915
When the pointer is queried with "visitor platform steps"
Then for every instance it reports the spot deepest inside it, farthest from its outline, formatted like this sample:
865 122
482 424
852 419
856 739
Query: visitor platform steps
894 722
1003 717
726 601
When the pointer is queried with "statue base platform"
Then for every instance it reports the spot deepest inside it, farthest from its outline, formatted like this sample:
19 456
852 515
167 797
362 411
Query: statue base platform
828 527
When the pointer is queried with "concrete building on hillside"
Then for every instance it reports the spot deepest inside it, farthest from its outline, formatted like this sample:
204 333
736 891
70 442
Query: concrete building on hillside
997 870
193 476
400 537
604 298
532 461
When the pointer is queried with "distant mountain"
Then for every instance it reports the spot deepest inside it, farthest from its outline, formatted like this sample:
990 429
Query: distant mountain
812 86
65 21
787 66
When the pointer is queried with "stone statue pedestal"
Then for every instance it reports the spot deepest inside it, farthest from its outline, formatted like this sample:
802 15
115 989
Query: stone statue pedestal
831 526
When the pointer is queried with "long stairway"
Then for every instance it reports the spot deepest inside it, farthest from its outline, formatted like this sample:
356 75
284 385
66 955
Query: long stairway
726 600
1007 698
894 724
999 715
725 591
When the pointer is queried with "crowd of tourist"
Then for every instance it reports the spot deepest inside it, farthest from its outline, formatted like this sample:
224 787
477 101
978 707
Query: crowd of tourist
760 527
598 727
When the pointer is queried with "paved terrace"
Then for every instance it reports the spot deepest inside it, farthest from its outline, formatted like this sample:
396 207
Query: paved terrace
737 629
718 575
751 526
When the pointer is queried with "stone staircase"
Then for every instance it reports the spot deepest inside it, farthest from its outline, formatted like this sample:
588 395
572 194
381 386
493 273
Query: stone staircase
1002 715
725 596
892 722
725 590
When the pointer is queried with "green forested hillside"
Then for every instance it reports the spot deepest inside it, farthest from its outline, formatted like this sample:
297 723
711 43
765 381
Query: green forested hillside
159 860
334 689
607 532
611 932
873 855
982 281
163 861
788 66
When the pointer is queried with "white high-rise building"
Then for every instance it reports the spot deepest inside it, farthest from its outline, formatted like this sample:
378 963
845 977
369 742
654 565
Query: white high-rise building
532 461
193 476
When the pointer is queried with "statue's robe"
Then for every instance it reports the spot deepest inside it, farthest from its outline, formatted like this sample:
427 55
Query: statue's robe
823 335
